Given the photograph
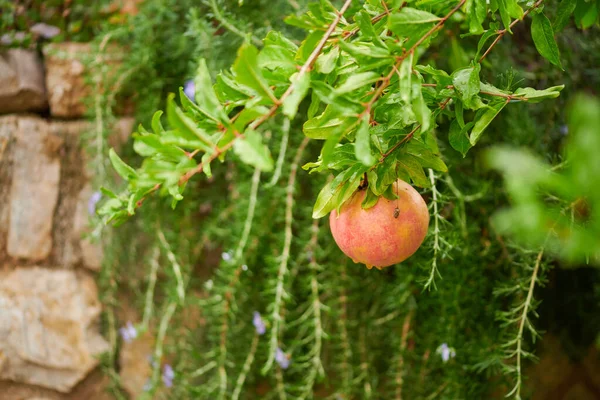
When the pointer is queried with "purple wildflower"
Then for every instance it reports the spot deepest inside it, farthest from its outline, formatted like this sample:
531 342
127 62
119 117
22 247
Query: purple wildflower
94 199
189 88
226 257
44 30
168 375
128 332
258 323
282 359
446 352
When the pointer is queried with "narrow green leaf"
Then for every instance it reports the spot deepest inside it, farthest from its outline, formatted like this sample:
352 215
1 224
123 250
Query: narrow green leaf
563 14
252 151
156 125
491 32
248 72
301 86
326 124
370 200
476 12
326 62
363 20
206 99
422 112
484 120
124 170
405 78
362 145
357 81
413 168
458 137
401 22
185 125
535 96
425 155
466 82
543 38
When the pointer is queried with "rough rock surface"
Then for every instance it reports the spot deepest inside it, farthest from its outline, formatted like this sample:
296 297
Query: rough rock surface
34 189
21 81
48 332
65 78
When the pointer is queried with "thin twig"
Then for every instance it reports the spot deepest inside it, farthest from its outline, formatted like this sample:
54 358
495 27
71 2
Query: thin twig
385 82
502 32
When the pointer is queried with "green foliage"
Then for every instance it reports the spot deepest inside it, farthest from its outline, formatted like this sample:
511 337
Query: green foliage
372 102
555 207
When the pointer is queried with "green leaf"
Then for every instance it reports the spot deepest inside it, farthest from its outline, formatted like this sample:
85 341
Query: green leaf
124 170
156 125
484 39
410 21
336 192
508 9
563 14
476 12
362 49
301 86
357 81
413 168
185 126
362 145
543 38
363 20
370 200
467 84
422 112
458 137
326 124
484 119
206 99
405 78
535 96
248 72
252 151
425 155
326 61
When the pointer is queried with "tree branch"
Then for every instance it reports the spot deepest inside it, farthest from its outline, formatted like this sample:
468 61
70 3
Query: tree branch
502 32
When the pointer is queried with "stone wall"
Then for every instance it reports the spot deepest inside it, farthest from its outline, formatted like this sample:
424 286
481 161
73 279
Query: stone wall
49 308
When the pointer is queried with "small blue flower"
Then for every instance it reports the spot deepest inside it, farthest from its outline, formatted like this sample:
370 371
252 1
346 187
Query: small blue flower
168 375
564 130
258 323
282 359
128 332
189 88
94 199
226 257
446 352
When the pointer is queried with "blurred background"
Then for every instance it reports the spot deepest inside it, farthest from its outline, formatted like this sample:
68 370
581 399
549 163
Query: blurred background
155 309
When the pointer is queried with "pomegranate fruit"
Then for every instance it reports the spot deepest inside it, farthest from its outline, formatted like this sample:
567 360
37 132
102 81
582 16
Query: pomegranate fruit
385 234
